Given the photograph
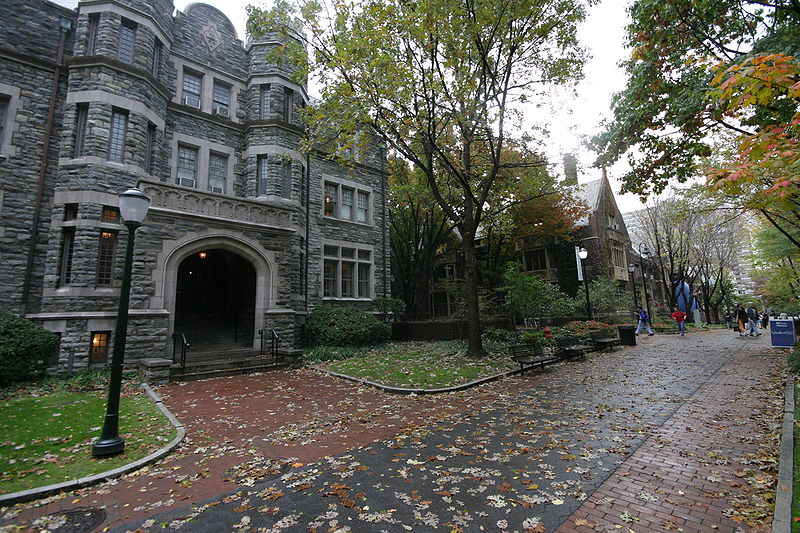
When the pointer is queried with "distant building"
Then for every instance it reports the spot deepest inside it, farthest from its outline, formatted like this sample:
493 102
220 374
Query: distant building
244 233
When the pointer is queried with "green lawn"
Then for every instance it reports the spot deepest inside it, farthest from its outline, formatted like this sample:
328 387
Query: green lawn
420 365
46 438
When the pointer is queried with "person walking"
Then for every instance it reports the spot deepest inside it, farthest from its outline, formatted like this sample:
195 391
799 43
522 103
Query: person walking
680 319
752 320
728 320
741 319
643 319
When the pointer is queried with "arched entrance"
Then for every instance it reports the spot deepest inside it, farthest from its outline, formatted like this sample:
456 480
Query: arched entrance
215 300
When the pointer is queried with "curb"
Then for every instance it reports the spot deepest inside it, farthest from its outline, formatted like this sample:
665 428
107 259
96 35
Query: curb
782 517
402 390
73 484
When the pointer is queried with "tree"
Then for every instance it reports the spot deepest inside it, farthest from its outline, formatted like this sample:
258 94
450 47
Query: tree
666 117
777 263
438 81
417 229
605 297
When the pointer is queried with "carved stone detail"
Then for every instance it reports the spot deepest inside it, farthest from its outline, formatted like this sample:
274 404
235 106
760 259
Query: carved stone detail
164 196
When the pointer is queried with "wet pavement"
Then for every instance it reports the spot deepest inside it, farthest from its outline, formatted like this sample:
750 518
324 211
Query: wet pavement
674 434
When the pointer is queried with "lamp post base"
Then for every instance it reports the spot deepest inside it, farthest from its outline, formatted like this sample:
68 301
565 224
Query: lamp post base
107 447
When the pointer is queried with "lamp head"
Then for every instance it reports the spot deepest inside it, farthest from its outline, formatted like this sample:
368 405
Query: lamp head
631 268
646 252
133 206
582 253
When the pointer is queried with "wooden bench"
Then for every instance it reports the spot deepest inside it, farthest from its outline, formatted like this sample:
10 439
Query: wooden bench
603 340
530 356
569 347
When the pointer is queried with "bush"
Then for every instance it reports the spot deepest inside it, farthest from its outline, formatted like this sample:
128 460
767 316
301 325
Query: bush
321 354
25 348
794 359
585 328
345 326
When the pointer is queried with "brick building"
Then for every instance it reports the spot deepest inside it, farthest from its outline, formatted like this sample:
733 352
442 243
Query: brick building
244 233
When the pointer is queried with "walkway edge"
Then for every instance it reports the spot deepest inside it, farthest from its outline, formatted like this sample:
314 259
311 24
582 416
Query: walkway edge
782 518
73 484
401 390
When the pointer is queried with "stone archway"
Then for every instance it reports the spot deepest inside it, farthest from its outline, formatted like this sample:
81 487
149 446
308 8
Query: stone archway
230 248
215 299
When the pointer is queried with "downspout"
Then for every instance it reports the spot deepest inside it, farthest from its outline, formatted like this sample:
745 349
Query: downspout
385 226
65 25
308 229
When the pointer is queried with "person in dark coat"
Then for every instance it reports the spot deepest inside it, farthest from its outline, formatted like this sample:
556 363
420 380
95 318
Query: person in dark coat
741 319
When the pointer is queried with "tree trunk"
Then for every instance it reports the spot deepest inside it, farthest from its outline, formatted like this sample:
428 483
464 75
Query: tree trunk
474 344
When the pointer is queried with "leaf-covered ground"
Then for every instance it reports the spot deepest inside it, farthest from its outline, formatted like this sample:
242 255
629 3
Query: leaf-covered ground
673 434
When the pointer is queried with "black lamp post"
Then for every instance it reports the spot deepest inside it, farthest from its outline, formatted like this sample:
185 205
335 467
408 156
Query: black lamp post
642 254
583 254
133 205
632 272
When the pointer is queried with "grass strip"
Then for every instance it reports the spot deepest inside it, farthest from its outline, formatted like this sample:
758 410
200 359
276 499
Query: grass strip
47 438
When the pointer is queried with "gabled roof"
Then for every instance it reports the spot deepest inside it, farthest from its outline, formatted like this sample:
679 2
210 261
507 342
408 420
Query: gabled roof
588 193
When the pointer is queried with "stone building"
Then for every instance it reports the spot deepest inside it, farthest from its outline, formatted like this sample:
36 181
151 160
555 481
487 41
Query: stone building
245 232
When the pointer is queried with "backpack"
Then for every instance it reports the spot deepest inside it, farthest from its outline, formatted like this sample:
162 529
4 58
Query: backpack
643 315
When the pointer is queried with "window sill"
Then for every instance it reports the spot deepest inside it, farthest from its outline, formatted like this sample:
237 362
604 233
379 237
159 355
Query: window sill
334 219
345 299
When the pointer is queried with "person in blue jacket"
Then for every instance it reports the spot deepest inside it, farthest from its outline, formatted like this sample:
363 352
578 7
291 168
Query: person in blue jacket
643 319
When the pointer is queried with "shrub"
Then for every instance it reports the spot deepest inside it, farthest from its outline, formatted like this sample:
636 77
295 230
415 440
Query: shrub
794 359
389 308
24 349
321 354
345 326
586 327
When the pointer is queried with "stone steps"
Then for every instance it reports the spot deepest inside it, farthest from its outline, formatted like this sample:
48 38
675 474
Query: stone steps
218 364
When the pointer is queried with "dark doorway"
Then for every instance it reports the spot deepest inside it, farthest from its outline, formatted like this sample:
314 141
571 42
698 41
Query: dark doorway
215 300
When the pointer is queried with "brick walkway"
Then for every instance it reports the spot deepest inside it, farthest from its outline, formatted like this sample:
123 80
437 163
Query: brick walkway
704 462
670 434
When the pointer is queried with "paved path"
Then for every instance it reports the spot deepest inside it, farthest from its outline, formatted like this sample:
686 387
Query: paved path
673 434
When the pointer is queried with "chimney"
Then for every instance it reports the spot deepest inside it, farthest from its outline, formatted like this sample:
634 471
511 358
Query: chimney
570 170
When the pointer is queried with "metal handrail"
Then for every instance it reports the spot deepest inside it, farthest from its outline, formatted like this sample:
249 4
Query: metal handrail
180 338
275 342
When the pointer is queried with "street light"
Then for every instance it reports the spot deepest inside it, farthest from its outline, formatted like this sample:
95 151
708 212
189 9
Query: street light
133 205
583 254
642 254
632 272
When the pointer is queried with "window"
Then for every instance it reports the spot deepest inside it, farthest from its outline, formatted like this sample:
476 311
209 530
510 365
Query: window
618 256
443 304
81 113
264 100
110 214
262 175
65 263
535 260
286 175
217 165
221 97
98 351
346 209
149 147
331 200
54 355
105 258
116 142
91 42
187 166
191 89
70 211
288 103
346 272
155 66
362 210
346 203
127 40
4 101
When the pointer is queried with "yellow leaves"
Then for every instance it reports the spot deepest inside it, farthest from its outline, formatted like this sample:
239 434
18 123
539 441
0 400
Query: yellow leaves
583 522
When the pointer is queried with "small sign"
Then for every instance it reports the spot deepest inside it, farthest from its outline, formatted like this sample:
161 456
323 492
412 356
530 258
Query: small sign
579 262
782 332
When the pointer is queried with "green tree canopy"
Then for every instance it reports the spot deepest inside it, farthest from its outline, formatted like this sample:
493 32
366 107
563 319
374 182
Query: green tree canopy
438 80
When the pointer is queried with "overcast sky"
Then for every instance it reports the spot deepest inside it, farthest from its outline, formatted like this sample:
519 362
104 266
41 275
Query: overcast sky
574 117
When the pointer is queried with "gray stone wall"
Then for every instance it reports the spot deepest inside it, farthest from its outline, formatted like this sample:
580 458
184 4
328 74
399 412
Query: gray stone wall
291 232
